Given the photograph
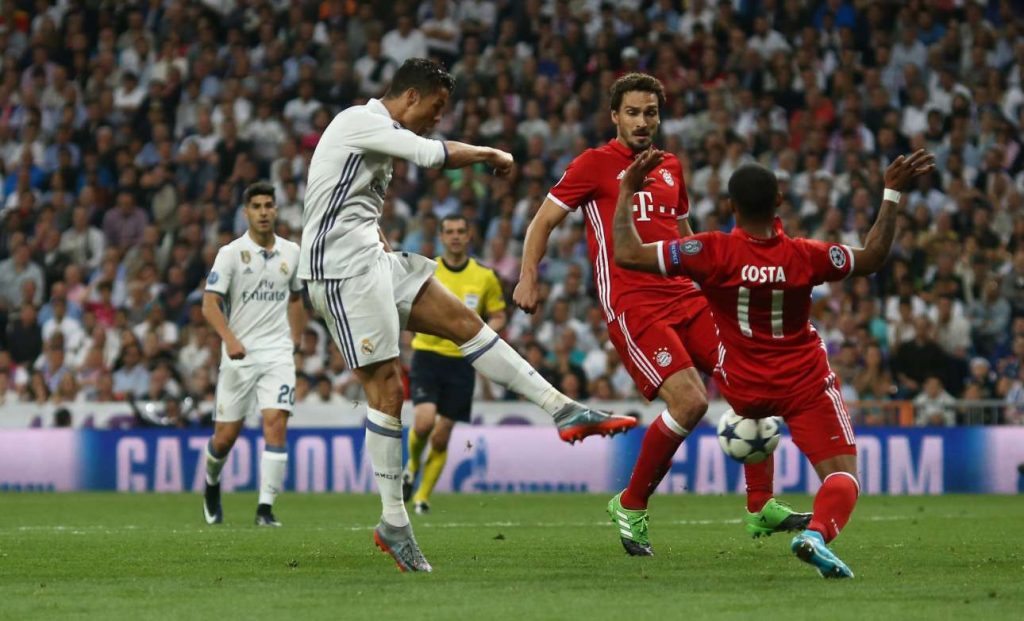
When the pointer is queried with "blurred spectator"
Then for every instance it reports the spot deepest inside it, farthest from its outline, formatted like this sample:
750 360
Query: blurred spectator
62 418
123 225
990 319
14 272
131 378
921 358
24 336
934 405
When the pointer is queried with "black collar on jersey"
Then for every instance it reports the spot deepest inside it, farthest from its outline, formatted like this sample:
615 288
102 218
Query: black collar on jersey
456 269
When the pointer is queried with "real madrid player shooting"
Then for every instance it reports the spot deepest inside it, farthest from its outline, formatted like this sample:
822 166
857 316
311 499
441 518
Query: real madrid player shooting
367 294
252 300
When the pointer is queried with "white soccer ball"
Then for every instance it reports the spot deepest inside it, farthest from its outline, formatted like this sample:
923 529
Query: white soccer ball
748 440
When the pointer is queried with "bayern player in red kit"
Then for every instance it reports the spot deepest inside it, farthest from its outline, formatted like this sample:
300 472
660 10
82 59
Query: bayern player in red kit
771 361
661 329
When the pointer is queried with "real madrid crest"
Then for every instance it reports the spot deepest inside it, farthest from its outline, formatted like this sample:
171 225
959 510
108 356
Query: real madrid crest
284 267
246 257
667 176
367 347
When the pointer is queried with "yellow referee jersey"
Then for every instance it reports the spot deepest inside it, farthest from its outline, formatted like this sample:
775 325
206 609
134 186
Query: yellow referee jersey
478 288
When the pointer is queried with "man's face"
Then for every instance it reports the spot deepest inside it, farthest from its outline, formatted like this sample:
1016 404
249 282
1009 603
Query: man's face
637 119
261 212
455 236
425 111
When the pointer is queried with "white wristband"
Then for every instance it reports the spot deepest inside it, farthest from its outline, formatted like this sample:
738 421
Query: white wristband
891 195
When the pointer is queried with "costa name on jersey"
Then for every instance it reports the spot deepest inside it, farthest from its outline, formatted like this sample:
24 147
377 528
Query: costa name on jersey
763 274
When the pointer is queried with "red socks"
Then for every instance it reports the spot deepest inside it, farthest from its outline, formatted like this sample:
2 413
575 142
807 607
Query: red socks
834 504
662 439
760 483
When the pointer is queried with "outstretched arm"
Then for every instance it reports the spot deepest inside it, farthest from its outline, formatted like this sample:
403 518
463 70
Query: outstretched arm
549 216
898 175
630 251
460 155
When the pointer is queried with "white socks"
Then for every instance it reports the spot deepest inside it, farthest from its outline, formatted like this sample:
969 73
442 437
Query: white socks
384 444
273 466
496 360
214 464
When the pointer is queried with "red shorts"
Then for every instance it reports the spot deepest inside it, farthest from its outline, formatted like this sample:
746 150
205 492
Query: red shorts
653 349
817 417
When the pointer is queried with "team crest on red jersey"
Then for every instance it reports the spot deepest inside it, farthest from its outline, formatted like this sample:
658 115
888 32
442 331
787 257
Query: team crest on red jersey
667 176
663 357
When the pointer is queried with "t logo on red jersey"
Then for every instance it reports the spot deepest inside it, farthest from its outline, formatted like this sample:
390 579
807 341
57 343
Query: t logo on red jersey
646 205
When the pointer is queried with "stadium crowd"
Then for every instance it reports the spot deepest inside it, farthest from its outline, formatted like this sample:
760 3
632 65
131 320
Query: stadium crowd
128 132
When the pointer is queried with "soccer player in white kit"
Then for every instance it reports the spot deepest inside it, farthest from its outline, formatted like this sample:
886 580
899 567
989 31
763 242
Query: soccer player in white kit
367 294
255 278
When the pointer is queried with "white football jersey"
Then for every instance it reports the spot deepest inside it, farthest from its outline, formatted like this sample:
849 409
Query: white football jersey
256 286
348 177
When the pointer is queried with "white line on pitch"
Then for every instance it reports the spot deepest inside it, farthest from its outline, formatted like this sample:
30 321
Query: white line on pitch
108 530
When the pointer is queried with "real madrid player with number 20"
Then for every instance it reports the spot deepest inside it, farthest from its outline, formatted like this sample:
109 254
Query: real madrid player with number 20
368 294
253 301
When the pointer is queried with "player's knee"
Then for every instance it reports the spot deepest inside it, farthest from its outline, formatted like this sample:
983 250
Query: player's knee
223 439
391 396
465 326
275 425
423 428
440 439
689 411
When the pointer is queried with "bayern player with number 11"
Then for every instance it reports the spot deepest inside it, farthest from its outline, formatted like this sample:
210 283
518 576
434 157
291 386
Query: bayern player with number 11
758 282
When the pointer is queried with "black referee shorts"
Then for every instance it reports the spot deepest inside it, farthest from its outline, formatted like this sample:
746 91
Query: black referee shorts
444 381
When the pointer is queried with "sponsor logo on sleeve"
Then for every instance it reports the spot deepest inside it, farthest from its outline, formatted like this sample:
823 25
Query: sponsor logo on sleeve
838 256
692 246
674 256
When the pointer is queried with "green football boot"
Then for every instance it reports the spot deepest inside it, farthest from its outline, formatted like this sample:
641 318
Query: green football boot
775 517
632 525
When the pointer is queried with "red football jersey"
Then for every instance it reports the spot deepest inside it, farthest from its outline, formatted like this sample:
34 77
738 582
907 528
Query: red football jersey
760 293
591 181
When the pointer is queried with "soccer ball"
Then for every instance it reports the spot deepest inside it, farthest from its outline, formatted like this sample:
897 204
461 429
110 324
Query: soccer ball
748 440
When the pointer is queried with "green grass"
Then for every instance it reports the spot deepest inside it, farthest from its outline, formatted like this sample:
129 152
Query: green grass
497 557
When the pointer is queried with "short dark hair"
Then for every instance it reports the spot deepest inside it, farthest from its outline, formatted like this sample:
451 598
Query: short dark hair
636 82
422 75
452 217
260 188
753 189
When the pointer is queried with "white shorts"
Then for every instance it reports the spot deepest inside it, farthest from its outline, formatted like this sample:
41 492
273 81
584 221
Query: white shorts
247 386
365 314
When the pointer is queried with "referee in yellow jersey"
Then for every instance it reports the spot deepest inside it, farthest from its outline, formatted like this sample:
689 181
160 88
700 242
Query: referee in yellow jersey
441 381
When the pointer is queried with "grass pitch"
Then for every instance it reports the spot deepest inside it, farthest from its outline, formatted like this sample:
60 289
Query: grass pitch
531 557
